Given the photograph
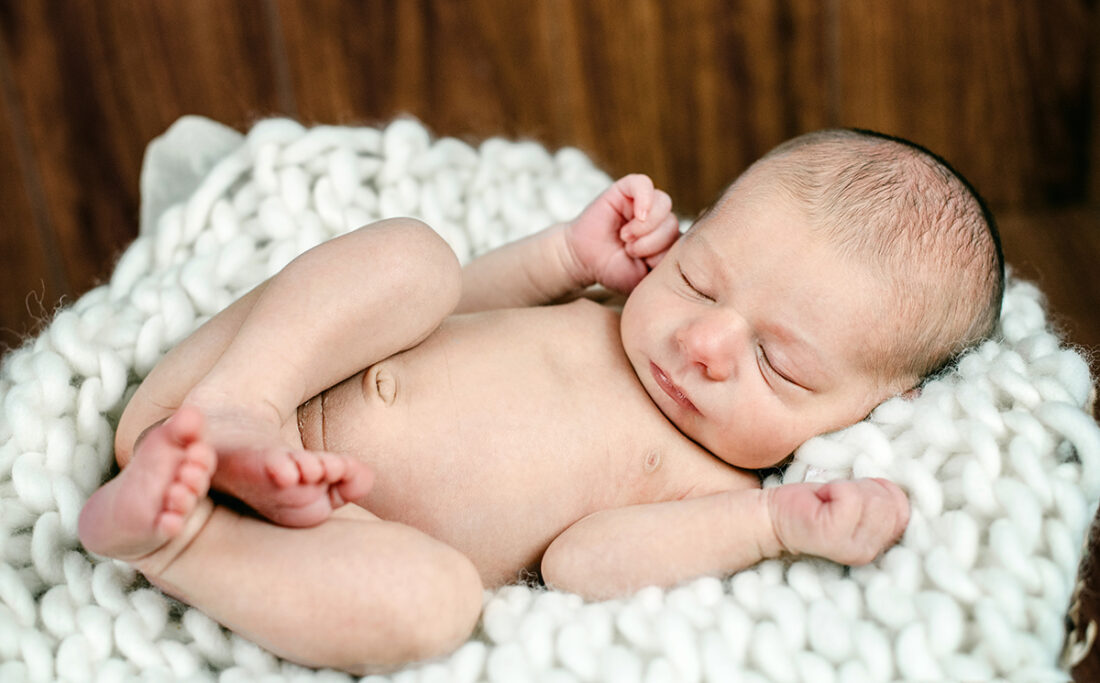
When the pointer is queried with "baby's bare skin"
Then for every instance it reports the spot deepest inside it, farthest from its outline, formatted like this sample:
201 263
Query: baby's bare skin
568 439
495 434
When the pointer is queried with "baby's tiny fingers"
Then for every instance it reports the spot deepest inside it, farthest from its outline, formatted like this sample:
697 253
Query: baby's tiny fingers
658 240
638 188
661 206
900 502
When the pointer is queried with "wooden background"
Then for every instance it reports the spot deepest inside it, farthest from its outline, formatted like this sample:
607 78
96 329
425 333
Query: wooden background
689 91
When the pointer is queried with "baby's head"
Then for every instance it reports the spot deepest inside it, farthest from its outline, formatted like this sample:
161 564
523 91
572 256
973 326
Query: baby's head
841 269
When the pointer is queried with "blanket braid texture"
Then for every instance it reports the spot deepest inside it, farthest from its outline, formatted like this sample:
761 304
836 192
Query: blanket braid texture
1000 456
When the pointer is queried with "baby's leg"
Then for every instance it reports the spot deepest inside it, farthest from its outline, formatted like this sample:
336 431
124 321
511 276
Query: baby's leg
353 593
330 313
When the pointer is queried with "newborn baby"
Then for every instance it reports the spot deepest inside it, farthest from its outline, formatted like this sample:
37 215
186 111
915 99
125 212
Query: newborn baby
488 422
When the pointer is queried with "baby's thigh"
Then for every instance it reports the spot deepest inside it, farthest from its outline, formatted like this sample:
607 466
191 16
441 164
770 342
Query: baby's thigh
291 432
355 513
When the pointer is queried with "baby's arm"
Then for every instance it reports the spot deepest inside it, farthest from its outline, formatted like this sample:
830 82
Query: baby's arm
614 552
614 242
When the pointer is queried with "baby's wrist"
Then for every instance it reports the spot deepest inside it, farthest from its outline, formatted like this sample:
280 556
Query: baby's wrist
770 540
574 268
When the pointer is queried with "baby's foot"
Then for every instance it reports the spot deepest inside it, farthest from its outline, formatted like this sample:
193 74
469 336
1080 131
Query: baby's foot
849 522
289 486
149 502
297 488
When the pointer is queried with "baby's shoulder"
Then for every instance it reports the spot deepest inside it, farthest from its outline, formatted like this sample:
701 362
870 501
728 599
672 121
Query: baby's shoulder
588 311
713 476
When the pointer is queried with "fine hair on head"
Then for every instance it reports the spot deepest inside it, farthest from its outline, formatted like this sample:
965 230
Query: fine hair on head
894 207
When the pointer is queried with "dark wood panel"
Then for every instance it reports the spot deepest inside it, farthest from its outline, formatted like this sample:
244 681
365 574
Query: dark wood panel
687 92
24 234
999 88
96 81
473 69
693 92
1059 250
1094 127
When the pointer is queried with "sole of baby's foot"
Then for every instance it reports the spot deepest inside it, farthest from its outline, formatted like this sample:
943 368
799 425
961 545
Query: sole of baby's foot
150 501
296 488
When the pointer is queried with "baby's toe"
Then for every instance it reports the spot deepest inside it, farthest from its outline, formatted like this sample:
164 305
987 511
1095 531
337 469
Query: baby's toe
194 477
202 455
185 426
179 498
282 470
169 524
357 482
310 469
335 467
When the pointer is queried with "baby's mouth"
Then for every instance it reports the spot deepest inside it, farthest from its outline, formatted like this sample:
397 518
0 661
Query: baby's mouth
669 387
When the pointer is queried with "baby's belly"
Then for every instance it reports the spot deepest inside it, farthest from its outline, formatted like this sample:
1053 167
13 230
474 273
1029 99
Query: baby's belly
493 453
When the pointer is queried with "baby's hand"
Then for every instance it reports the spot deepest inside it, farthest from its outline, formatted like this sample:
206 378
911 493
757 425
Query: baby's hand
623 233
849 522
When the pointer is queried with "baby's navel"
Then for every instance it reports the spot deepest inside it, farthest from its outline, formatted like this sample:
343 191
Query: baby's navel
386 386
652 462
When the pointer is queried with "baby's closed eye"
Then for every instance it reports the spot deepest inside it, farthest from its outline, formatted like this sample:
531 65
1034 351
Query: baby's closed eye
691 286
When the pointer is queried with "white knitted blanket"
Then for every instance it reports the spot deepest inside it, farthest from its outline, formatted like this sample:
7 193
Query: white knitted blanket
1000 458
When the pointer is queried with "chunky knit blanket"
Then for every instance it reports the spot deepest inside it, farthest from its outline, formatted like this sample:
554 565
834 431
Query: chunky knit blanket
1000 456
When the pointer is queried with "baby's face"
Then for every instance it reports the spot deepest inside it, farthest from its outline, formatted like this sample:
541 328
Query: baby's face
751 334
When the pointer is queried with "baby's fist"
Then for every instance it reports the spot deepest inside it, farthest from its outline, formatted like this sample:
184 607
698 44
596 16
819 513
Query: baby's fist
622 234
846 521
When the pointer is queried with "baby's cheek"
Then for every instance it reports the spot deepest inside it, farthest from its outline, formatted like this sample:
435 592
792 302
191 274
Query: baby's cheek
771 443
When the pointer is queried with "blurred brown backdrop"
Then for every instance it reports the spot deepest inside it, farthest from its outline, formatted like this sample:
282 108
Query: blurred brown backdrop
688 91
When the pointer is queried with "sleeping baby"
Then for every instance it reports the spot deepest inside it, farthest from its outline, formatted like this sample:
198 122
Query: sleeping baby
340 462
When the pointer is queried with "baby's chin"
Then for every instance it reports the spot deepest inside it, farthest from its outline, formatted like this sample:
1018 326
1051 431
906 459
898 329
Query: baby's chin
734 457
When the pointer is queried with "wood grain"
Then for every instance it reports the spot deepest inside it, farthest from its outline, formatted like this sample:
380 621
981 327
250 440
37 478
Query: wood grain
1000 89
723 84
1058 251
96 81
687 92
1094 125
25 237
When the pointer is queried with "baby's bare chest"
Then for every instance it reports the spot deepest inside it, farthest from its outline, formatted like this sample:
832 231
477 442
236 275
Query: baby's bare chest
510 426
510 401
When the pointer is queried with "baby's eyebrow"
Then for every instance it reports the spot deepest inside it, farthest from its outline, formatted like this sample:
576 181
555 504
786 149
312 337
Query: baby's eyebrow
808 368
710 255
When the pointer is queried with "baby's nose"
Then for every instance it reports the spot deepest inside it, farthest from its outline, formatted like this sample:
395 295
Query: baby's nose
713 343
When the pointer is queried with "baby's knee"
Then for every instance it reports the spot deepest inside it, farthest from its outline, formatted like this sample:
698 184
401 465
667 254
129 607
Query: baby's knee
439 606
420 257
419 245
455 597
